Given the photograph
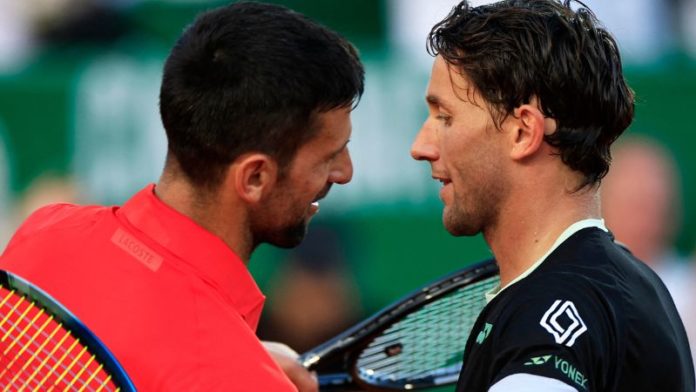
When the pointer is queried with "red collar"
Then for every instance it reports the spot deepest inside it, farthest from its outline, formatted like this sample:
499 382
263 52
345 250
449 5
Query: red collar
198 248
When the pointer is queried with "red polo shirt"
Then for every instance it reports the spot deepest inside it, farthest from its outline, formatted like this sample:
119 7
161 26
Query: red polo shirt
173 303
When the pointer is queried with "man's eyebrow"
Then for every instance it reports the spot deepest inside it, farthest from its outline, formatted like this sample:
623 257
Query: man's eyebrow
436 101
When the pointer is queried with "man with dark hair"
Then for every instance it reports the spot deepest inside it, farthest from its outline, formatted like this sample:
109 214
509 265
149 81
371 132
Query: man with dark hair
525 99
256 102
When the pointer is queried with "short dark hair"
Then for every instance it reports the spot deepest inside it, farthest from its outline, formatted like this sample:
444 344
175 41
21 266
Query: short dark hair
514 50
251 77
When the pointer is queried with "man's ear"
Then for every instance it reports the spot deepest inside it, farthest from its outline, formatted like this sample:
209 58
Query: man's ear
529 127
253 176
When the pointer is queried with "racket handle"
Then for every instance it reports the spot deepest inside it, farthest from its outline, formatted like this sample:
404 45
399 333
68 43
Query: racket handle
337 382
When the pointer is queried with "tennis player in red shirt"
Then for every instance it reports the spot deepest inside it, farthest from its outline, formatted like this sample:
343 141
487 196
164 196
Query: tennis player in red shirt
256 102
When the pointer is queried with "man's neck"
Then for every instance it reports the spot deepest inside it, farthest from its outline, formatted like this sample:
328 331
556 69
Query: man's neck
219 217
528 227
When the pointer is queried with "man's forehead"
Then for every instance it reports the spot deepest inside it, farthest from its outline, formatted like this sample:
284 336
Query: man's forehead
449 86
334 124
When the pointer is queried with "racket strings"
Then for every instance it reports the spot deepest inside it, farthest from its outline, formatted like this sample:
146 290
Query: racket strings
38 353
428 343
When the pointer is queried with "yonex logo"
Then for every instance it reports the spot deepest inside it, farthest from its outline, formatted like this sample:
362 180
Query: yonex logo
538 360
561 365
483 334
563 321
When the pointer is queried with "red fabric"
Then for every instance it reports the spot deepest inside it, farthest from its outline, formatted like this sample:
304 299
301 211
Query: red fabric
173 303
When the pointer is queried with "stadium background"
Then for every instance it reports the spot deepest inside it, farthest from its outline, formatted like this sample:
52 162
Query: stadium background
79 103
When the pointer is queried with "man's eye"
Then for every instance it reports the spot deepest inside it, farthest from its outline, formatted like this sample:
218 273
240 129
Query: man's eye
444 118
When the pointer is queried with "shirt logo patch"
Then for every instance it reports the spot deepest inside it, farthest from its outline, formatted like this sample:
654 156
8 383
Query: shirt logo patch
537 360
483 334
563 321
137 249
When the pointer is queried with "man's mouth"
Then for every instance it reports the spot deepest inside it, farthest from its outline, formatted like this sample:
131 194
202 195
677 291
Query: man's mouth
443 180
315 204
321 195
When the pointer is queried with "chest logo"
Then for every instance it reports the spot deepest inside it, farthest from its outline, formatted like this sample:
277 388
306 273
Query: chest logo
563 321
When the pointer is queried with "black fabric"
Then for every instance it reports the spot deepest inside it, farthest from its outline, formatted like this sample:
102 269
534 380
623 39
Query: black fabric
634 338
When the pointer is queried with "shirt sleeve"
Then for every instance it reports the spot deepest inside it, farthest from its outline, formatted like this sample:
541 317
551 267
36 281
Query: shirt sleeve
562 333
522 382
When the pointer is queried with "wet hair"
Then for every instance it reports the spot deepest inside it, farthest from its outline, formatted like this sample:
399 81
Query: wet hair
251 77
515 50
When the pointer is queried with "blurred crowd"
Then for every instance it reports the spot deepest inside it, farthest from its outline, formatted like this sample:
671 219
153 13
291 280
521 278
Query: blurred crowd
27 26
646 29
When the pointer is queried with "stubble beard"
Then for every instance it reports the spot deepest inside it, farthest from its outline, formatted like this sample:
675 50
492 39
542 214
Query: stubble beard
294 215
290 235
287 234
282 222
471 214
461 223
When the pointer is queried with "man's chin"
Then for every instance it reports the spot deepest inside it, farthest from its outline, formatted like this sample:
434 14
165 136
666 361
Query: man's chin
289 237
459 226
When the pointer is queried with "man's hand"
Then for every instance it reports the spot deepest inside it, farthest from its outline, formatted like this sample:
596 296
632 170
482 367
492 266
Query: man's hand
287 359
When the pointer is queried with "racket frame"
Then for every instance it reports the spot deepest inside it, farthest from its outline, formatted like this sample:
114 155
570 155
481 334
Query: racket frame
347 346
71 324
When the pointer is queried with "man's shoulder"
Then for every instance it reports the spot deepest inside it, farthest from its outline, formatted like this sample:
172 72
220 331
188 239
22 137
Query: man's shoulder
549 325
62 214
545 286
53 217
554 309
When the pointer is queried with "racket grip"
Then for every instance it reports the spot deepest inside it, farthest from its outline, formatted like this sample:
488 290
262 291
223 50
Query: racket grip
337 382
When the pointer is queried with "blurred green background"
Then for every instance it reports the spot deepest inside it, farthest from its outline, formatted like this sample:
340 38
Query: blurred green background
81 106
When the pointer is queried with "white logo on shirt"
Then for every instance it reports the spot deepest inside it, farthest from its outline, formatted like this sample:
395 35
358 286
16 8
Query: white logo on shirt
572 326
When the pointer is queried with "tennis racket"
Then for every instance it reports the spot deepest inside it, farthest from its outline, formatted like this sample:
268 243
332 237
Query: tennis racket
44 347
415 343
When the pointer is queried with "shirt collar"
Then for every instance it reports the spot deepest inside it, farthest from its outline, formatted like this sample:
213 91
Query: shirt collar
198 248
567 233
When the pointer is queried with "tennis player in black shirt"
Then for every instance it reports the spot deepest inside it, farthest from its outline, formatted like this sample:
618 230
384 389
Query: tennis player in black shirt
525 99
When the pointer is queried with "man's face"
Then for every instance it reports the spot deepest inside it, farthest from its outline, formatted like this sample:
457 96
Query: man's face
464 148
321 162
